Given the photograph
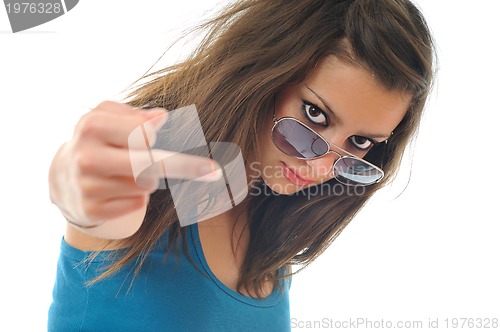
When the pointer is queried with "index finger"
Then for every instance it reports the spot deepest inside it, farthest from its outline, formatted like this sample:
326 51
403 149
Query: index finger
174 165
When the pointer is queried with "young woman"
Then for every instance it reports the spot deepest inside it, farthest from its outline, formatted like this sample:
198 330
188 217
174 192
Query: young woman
321 96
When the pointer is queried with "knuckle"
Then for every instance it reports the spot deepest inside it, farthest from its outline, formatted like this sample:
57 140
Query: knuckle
106 104
138 201
85 163
147 184
88 190
109 105
92 210
89 125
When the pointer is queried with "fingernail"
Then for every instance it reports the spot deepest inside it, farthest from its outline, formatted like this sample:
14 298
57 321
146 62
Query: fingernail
158 120
210 171
150 113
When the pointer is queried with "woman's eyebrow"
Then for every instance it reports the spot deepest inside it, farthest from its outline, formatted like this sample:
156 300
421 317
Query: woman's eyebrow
338 120
328 107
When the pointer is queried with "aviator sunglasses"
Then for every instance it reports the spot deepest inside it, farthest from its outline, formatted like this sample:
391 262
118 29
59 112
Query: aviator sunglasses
296 139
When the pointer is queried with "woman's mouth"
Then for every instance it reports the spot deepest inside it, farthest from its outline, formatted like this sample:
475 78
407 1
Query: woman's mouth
293 177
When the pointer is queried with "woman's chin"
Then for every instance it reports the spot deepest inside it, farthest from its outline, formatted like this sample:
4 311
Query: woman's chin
282 187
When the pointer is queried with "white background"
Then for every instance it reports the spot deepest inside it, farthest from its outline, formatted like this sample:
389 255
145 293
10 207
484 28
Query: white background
431 253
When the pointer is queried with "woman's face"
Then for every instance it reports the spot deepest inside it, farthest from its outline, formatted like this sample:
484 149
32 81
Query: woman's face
343 103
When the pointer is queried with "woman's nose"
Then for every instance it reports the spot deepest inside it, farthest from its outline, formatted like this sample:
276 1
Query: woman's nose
322 166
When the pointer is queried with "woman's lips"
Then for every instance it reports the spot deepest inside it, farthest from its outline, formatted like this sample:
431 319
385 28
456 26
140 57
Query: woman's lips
293 177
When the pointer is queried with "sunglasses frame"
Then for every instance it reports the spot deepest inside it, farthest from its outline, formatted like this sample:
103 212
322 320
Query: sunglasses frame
329 145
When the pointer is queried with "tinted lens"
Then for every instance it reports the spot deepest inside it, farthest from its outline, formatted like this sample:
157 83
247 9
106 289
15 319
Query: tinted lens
295 139
354 171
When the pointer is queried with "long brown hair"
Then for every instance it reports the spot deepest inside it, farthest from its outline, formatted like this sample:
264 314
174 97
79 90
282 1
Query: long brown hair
251 51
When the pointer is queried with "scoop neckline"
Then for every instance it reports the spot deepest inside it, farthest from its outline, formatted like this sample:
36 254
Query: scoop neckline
271 300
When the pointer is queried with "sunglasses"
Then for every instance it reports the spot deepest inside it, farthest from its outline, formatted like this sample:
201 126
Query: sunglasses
296 139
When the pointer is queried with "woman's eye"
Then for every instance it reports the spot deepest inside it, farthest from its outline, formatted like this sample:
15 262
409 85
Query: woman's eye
360 142
314 114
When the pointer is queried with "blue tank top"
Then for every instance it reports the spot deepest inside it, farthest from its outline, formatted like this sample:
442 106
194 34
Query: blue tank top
169 294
